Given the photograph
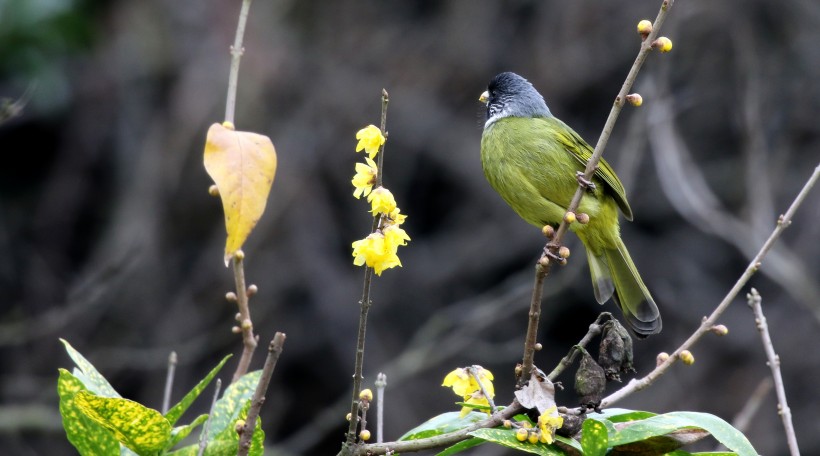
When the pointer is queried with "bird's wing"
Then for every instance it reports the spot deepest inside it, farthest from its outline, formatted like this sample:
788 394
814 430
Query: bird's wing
581 151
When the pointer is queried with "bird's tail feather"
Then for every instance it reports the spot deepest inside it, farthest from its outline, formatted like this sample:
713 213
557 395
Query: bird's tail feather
631 294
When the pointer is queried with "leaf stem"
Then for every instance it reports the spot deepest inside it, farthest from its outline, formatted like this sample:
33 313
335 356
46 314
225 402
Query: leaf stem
169 382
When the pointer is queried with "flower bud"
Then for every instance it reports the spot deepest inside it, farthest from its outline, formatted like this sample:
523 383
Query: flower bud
563 252
569 217
687 357
720 330
538 346
239 255
507 424
366 395
364 435
521 434
213 190
252 290
533 437
644 28
239 426
544 438
662 44
583 218
544 261
229 125
236 329
230 296
348 416
661 358
246 324
635 99
548 231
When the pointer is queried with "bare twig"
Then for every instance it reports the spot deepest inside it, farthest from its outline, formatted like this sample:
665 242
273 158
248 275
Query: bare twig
744 417
543 267
169 382
782 222
365 303
274 350
473 370
206 428
440 440
236 54
381 383
249 340
566 361
755 302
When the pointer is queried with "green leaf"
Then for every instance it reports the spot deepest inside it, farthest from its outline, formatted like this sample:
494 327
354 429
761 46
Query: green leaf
724 432
91 378
595 437
215 448
143 430
176 411
619 415
708 453
461 446
572 443
88 437
506 437
228 408
442 424
180 432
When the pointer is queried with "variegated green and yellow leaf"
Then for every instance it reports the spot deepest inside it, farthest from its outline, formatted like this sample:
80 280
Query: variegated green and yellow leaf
88 437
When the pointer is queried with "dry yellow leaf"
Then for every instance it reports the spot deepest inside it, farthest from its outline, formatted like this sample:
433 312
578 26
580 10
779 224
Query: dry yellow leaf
242 165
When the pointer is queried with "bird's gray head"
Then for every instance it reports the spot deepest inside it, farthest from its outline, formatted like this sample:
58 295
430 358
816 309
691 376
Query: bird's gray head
510 95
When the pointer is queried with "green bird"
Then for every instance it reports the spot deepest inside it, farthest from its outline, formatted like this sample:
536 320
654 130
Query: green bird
531 159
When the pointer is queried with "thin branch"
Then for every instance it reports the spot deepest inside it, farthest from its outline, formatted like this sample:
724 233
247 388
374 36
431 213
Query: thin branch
566 361
274 350
249 340
365 302
744 417
169 382
473 370
236 54
755 302
381 384
450 438
542 268
551 250
782 223
206 428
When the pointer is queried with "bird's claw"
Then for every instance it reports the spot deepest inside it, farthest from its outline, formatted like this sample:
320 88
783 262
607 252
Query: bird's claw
550 252
584 182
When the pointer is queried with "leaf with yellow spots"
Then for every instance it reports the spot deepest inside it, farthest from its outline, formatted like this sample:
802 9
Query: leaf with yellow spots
595 437
88 437
179 433
242 165
88 374
143 430
228 408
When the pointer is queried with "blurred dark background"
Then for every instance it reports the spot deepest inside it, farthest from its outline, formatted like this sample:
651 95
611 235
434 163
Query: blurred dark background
110 240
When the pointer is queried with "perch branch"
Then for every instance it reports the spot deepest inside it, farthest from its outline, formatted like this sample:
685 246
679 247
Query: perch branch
249 340
169 382
236 55
592 164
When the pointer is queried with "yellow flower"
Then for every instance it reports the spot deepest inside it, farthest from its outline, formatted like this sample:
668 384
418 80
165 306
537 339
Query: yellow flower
370 140
465 385
375 252
381 201
548 422
396 217
476 398
365 177
395 237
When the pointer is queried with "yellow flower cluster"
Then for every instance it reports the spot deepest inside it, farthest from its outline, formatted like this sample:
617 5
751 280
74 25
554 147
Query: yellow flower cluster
548 422
465 385
379 249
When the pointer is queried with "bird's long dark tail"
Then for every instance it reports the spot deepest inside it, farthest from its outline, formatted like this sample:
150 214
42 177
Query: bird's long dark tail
614 275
